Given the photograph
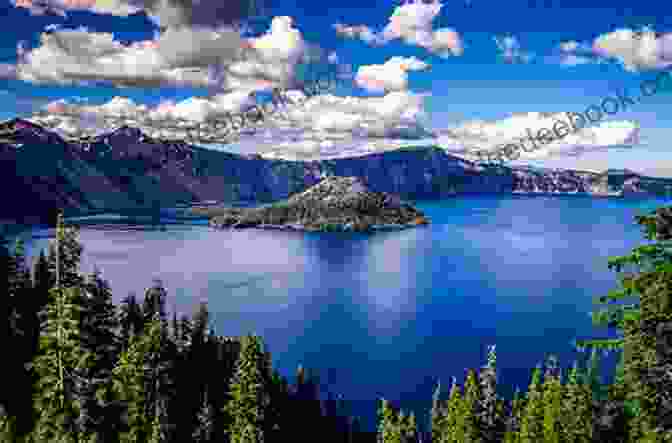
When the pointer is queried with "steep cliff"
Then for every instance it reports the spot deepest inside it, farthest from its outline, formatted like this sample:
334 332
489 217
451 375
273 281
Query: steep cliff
125 169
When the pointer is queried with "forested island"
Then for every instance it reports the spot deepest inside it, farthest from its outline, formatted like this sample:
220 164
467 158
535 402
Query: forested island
334 204
81 369
126 170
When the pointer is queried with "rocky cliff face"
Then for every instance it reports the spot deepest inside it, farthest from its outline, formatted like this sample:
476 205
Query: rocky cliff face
125 169
609 183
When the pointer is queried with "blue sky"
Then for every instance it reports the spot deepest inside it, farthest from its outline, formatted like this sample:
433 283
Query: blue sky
462 73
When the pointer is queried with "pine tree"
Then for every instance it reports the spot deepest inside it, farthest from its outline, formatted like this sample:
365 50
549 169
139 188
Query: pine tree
7 428
100 346
5 322
69 256
437 415
389 430
576 424
490 423
278 406
143 379
472 397
644 324
130 319
552 402
19 279
130 387
58 357
185 331
514 419
175 328
593 377
196 355
249 402
43 280
24 330
454 426
409 428
531 426
618 388
307 414
155 303
205 429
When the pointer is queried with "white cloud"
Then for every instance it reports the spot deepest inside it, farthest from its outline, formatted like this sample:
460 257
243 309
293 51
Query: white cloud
188 56
390 76
495 135
328 126
637 50
80 56
412 23
166 13
334 126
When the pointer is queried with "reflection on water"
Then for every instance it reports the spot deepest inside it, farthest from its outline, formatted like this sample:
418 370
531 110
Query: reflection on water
390 313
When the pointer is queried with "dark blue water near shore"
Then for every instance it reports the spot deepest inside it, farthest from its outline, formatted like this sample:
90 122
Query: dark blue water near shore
389 314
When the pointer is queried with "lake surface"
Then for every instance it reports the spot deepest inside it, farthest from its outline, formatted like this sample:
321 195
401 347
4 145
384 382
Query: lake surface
389 314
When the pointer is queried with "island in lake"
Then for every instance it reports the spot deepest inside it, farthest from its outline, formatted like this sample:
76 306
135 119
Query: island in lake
333 204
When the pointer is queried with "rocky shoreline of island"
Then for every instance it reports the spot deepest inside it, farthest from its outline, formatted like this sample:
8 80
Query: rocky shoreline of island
335 204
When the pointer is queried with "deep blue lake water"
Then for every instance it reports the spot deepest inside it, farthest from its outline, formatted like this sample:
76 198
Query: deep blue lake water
388 314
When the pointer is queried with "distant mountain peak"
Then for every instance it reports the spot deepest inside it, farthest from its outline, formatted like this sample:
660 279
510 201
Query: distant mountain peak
22 130
19 124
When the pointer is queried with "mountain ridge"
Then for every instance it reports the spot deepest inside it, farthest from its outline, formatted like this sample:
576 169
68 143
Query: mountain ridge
125 169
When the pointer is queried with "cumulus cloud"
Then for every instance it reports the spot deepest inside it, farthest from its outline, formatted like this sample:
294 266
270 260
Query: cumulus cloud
412 23
188 56
510 50
479 135
338 126
165 13
328 126
79 56
390 76
198 109
637 50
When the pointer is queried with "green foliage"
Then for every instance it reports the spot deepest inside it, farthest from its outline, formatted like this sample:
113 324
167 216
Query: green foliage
59 354
206 427
512 432
154 303
490 421
472 397
552 400
454 430
130 319
576 421
69 254
249 394
138 379
437 415
531 427
395 426
99 346
83 375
